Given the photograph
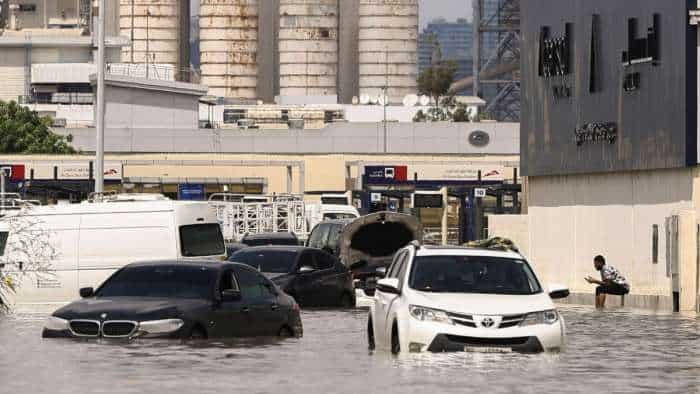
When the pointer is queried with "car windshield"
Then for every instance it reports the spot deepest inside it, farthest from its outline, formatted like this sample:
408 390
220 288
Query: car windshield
473 274
161 282
268 261
198 240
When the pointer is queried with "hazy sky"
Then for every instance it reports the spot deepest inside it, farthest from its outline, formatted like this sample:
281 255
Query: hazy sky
448 9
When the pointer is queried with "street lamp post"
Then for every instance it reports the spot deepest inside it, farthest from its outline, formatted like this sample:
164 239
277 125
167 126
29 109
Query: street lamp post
100 113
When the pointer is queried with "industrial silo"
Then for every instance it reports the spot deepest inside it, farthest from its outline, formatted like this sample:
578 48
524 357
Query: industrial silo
308 47
388 47
228 34
158 30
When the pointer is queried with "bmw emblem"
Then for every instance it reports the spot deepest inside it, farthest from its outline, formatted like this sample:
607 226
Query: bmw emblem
487 322
104 316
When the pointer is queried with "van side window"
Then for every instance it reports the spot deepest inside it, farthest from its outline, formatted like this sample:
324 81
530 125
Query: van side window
198 240
319 236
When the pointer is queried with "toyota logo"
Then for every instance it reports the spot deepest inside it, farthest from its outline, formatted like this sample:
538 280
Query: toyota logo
487 322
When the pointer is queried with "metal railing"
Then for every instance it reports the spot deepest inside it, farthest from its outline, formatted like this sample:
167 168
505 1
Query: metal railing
240 218
159 72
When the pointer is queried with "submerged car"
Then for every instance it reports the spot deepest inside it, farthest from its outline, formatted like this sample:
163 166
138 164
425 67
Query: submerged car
366 244
267 239
179 299
313 277
461 299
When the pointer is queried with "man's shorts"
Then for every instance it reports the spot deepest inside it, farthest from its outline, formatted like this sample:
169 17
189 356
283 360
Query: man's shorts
612 289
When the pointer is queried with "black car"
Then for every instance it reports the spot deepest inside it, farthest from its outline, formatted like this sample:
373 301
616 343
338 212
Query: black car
266 239
176 299
234 247
313 277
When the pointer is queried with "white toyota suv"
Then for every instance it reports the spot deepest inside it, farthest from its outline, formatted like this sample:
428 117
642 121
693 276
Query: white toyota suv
463 299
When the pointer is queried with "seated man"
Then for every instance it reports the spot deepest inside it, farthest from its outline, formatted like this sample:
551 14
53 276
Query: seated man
612 282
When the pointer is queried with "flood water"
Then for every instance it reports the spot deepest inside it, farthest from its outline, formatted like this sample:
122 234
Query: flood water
609 352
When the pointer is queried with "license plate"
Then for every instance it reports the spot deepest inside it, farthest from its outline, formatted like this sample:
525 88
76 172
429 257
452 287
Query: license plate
476 349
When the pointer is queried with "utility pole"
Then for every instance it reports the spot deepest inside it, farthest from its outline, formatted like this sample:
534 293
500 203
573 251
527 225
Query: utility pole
148 41
132 31
385 93
100 113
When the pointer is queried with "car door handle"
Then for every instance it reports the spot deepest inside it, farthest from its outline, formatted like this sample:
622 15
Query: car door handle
245 310
274 307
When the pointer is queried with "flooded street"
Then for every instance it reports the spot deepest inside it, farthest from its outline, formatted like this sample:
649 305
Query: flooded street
612 352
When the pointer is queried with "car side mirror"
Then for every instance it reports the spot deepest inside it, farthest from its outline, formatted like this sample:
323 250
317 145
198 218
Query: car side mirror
358 265
557 292
306 269
328 250
389 286
230 295
381 272
86 292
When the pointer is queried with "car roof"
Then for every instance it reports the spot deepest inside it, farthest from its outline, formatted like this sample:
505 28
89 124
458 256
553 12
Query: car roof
280 235
180 263
280 248
466 251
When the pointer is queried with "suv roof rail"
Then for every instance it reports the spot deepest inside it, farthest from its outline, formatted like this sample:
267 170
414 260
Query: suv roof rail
416 244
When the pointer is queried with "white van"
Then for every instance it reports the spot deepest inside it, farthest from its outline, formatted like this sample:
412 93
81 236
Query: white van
83 244
317 213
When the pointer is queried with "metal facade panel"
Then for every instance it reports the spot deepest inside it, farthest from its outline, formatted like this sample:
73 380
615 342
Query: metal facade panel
636 116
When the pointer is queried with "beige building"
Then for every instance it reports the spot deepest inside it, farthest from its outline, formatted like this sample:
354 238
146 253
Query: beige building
246 173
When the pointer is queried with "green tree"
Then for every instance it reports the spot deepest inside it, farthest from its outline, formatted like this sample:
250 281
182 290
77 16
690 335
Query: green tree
436 81
23 131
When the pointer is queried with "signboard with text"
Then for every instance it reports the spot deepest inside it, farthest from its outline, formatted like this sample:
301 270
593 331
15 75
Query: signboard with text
607 86
436 172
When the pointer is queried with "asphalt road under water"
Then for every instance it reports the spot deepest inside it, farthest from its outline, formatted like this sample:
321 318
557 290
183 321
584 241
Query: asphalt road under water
608 352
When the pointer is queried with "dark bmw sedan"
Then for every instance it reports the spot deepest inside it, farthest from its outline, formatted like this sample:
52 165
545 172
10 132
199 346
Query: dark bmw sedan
177 299
313 277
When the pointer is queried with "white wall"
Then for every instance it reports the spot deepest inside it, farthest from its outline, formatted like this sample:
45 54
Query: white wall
139 108
573 218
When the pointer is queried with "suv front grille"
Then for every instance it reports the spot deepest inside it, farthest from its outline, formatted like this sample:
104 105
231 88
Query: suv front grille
85 328
462 320
511 321
118 328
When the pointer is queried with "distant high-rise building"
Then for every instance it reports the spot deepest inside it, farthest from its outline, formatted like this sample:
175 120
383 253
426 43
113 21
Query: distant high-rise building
453 40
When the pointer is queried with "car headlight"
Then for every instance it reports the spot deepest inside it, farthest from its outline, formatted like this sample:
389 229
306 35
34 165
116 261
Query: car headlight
428 314
545 317
56 324
165 326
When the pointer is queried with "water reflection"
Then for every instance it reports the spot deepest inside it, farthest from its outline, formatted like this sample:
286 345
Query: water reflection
616 351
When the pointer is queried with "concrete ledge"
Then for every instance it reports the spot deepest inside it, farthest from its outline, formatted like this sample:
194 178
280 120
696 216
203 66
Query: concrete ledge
635 301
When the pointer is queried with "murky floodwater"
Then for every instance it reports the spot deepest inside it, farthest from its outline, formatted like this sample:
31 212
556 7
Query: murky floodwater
611 352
